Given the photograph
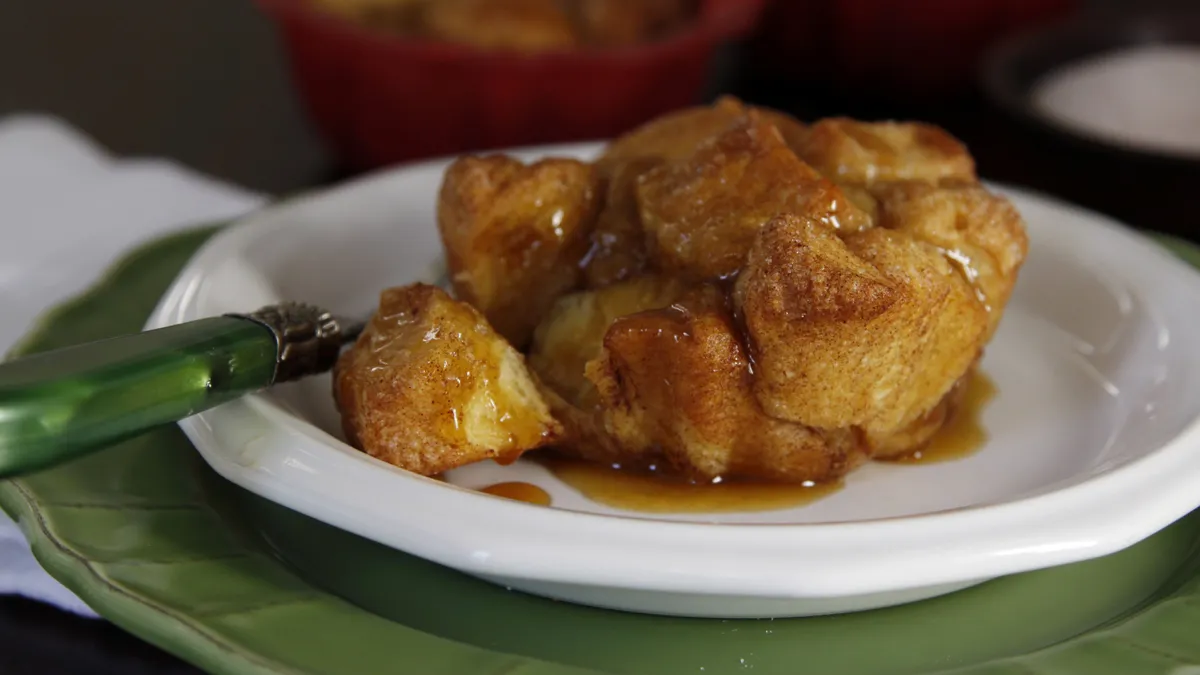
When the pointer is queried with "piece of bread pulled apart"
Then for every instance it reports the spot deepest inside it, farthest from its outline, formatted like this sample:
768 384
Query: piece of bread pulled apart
430 386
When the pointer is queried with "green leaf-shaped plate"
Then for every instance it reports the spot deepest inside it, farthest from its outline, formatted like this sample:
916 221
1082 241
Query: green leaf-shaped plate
147 535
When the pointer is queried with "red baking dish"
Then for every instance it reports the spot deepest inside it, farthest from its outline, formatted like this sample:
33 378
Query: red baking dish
380 99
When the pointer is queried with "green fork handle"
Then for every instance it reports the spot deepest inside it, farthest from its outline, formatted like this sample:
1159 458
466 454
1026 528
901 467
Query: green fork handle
59 405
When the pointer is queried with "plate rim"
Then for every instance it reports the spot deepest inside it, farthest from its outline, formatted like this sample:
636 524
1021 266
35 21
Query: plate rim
818 580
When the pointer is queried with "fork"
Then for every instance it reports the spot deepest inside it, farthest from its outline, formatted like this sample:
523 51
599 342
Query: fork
59 405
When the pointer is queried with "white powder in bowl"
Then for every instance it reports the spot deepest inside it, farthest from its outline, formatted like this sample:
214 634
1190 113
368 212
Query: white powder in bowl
1143 97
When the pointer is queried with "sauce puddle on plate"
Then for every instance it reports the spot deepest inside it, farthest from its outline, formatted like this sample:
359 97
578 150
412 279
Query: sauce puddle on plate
519 491
964 435
650 491
654 492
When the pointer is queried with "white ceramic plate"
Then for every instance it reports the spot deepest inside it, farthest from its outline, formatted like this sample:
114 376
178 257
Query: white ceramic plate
1093 436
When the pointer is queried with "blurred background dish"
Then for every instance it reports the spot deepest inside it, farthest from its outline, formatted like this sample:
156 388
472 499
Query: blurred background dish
387 81
528 26
1122 83
1142 97
1118 92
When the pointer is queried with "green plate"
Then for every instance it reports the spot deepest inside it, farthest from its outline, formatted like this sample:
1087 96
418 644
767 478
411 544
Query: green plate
152 539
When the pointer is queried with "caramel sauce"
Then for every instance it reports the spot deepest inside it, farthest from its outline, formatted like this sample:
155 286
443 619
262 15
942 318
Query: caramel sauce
658 492
521 492
651 491
964 434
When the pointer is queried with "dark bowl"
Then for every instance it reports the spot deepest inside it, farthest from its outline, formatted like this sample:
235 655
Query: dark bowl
1142 187
1012 69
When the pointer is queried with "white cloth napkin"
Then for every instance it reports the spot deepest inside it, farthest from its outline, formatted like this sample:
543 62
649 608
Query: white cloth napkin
67 210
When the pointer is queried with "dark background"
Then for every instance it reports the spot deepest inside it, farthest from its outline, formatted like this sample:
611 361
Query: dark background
205 82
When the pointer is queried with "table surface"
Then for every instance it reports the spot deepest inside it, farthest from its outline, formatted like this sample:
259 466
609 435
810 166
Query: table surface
35 638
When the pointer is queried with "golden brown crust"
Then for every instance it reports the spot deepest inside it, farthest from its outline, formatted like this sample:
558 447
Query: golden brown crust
794 132
573 331
981 233
429 386
672 136
701 214
678 381
618 242
675 136
514 235
619 247
585 437
870 331
866 153
892 443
